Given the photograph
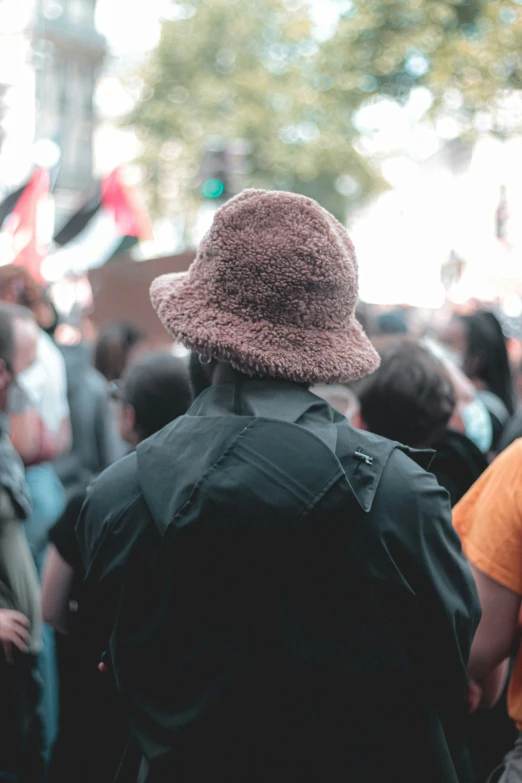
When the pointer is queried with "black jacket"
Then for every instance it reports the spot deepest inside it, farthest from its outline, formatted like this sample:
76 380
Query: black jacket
284 598
458 463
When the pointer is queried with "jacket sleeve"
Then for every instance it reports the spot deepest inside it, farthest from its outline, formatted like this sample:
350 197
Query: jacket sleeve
415 513
448 602
106 532
107 500
91 527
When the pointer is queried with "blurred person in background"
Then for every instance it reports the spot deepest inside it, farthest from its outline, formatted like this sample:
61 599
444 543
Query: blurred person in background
21 741
513 429
154 391
511 432
117 345
412 398
95 440
282 597
393 322
471 421
41 432
489 522
480 349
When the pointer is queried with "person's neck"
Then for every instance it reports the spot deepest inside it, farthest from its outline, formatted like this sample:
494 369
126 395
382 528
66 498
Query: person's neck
225 373
479 384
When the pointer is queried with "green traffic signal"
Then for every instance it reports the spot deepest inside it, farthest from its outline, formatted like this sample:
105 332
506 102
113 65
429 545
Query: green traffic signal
213 188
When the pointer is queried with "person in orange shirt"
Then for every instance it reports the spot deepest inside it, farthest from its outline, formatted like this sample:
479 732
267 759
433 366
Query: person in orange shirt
489 522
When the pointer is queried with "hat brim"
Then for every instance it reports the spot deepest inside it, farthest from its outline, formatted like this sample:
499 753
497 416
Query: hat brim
260 347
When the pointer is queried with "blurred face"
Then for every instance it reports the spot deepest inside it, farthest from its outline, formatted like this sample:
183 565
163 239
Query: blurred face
25 335
454 337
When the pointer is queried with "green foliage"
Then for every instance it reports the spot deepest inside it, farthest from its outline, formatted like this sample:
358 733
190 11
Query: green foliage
257 71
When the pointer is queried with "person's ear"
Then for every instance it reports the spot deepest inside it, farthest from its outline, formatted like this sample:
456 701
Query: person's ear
358 421
208 369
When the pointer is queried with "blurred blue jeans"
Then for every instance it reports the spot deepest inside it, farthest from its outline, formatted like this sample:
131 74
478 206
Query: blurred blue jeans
48 499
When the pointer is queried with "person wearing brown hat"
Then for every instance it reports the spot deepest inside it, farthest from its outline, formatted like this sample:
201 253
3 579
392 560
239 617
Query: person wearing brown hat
280 597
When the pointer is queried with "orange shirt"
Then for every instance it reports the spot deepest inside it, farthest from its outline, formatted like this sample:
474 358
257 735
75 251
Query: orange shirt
489 522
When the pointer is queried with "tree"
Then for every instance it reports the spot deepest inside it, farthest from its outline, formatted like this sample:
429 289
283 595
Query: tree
467 52
263 74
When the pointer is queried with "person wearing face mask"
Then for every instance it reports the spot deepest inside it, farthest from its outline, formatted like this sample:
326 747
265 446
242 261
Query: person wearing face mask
416 399
479 345
489 522
153 392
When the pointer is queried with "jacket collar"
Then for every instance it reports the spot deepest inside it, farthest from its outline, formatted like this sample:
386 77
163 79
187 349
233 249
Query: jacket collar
270 399
293 403
257 398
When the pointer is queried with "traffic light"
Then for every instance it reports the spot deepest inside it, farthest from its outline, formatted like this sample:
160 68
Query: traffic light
214 174
239 164
213 188
224 166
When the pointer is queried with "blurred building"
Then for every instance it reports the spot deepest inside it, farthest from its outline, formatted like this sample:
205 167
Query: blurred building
68 54
121 293
17 92
50 57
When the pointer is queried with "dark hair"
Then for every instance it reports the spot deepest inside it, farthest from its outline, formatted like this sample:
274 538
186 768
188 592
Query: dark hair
16 282
157 387
410 398
486 345
113 348
8 312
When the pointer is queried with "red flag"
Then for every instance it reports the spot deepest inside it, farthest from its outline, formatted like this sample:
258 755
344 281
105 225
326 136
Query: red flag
124 203
29 244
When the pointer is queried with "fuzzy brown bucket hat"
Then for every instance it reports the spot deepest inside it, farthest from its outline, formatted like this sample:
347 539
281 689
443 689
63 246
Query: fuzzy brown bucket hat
272 292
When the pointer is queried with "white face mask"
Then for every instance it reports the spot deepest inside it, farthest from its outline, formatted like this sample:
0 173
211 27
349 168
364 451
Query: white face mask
477 424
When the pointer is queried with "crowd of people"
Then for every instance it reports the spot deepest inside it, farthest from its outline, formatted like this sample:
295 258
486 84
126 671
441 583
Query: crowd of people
292 554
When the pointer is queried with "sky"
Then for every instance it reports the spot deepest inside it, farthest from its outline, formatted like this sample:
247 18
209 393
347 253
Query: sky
140 32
